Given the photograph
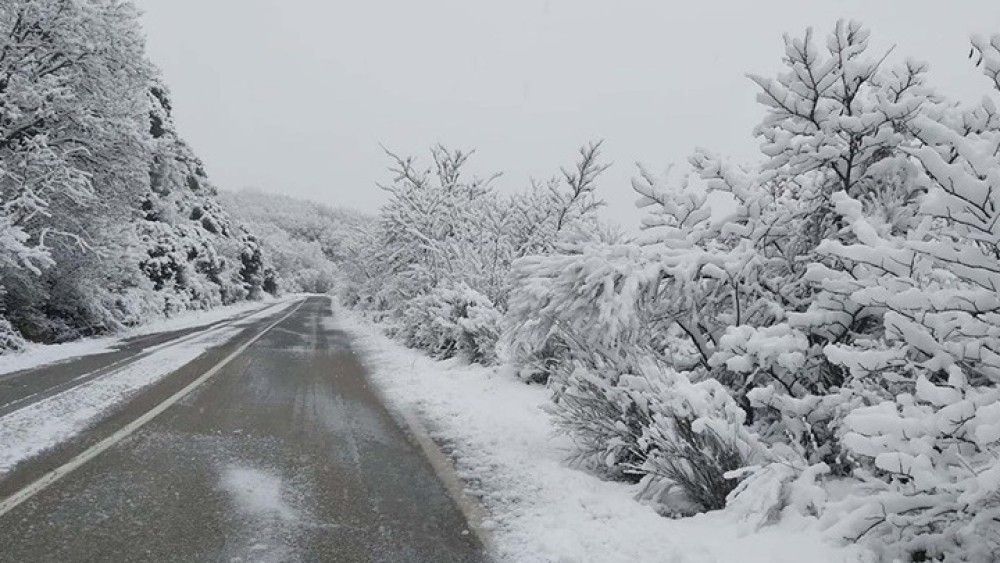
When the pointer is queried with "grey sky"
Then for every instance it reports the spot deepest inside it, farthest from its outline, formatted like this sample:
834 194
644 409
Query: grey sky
294 96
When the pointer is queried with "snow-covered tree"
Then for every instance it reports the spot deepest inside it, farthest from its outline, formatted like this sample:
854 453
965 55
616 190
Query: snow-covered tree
100 201
844 295
442 255
878 212
194 249
928 444
72 100
309 244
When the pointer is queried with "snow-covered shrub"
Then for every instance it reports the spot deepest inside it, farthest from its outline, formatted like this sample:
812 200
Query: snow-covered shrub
843 293
439 262
585 295
451 321
872 225
617 309
932 487
927 443
776 489
837 122
605 422
179 260
102 291
646 423
10 339
828 316
633 318
255 272
696 436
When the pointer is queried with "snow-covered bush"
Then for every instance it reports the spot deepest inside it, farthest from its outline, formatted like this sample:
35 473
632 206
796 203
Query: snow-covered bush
439 262
882 365
931 487
696 436
10 339
451 321
633 419
843 293
927 442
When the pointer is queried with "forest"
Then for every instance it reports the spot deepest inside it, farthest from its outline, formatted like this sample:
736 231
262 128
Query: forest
107 217
814 334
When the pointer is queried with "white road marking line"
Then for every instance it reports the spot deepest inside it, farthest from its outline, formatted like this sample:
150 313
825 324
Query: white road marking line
16 401
90 453
69 385
143 353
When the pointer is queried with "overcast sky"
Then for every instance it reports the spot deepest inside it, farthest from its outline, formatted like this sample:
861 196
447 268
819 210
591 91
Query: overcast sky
294 96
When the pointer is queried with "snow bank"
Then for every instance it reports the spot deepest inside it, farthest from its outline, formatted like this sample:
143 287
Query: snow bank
36 355
506 450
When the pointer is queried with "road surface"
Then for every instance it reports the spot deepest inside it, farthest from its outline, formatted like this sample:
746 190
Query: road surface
21 388
284 454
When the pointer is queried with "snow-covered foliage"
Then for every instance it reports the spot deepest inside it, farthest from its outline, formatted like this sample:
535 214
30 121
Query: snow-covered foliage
195 251
438 264
306 242
106 216
814 334
449 321
843 293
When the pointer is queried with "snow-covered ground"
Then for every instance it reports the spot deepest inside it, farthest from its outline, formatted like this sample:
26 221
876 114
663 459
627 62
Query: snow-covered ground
28 431
507 451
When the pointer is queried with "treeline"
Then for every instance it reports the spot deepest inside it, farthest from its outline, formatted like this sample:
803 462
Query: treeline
826 346
107 218
305 242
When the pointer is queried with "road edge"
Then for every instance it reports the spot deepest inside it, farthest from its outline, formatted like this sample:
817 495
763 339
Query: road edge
475 513
442 464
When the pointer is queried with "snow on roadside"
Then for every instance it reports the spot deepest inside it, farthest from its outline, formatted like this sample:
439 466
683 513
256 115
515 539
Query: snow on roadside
35 428
506 449
36 355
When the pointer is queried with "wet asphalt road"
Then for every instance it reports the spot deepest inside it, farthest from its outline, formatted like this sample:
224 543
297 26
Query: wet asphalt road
284 455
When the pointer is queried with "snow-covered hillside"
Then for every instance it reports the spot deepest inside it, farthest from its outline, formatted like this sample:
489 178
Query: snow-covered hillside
107 218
